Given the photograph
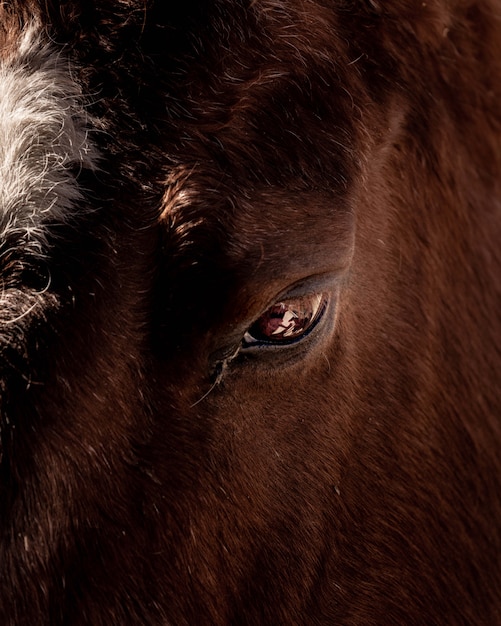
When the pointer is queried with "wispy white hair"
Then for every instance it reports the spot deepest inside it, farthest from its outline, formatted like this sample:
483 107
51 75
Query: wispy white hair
44 141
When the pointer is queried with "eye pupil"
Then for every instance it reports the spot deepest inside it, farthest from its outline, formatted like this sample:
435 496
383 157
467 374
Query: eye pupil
288 320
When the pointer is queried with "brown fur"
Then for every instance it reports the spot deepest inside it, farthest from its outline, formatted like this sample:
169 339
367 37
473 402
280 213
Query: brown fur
245 146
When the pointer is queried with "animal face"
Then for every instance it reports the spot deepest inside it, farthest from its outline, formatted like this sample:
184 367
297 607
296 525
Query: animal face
249 320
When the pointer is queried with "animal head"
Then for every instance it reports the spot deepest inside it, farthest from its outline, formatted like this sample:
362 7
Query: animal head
249 318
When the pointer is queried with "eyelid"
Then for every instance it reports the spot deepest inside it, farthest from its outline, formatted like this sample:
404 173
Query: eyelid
318 283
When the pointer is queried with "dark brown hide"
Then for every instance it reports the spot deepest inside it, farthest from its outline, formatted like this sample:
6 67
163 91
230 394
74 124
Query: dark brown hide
150 474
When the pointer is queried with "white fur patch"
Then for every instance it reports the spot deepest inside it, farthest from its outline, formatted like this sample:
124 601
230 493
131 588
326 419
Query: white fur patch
43 141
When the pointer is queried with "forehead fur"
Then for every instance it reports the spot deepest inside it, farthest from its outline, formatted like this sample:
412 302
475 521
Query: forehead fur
44 139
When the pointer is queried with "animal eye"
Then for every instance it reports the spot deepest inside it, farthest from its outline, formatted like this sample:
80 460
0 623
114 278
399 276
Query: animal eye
287 322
